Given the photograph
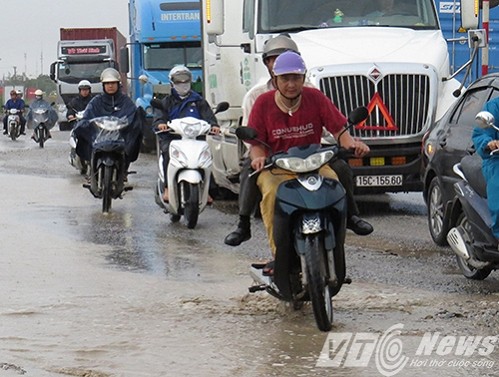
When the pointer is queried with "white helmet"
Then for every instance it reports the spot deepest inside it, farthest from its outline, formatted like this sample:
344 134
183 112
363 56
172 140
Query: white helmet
110 75
180 73
38 92
84 84
19 92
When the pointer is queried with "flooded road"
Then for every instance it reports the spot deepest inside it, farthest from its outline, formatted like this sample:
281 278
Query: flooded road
130 294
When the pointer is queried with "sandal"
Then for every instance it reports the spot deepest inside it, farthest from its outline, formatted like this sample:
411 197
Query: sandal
165 196
268 269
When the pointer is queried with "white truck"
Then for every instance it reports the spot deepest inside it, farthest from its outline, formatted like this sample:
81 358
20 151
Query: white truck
358 53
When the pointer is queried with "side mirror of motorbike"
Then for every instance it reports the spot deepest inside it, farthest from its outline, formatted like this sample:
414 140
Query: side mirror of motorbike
357 115
156 103
246 133
484 119
222 106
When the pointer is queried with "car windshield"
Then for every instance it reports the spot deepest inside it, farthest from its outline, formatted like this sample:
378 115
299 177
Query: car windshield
292 15
165 56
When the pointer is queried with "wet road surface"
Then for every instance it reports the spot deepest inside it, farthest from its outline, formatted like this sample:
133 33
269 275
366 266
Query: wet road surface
130 294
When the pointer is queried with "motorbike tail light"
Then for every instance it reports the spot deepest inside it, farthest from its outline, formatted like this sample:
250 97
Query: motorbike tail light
355 162
377 161
399 160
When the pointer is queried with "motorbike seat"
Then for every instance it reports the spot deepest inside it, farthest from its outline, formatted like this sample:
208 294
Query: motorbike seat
472 169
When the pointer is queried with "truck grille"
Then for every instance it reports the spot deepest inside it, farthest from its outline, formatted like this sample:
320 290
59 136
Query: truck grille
405 97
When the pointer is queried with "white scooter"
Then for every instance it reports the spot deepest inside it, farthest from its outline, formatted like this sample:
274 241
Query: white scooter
189 169
13 123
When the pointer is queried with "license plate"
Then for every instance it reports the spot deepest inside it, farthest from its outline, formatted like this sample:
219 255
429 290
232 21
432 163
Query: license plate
378 180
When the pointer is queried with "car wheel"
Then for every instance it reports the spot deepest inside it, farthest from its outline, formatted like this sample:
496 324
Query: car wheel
438 223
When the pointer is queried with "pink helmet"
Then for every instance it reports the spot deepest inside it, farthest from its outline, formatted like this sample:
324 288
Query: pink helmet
289 62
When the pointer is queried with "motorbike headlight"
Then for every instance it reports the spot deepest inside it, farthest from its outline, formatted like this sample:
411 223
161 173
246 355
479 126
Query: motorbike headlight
300 165
178 155
191 130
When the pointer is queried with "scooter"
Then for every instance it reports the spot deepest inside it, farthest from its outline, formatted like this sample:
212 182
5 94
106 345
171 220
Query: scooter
189 169
74 159
13 123
41 119
471 237
309 229
108 163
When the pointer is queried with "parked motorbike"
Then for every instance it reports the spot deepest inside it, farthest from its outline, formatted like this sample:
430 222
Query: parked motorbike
108 162
74 159
41 119
189 169
13 123
471 236
309 229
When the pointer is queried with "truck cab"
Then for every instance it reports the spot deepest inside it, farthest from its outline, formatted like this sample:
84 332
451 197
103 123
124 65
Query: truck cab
393 59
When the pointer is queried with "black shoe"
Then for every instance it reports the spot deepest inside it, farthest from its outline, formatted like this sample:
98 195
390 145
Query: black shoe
359 226
238 236
5 132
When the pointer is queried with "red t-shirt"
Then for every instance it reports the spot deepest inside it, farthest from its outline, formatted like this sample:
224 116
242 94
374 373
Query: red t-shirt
282 131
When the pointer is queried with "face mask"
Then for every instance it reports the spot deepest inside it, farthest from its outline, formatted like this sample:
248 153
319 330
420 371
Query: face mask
182 88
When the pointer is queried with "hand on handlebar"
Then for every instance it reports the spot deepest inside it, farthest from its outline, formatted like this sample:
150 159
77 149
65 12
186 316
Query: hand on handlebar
258 163
215 130
493 145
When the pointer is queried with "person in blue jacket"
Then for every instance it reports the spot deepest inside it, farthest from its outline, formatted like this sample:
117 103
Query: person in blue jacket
485 141
14 103
182 102
112 102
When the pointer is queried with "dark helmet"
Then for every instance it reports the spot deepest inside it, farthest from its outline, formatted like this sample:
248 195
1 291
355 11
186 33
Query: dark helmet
277 45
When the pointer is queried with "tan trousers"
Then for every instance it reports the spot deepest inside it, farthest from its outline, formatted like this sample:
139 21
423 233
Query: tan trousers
268 181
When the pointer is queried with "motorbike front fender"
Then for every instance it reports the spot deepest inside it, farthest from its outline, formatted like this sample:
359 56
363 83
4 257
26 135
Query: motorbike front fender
191 176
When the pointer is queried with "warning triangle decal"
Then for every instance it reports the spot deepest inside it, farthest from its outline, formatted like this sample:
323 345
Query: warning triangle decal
389 124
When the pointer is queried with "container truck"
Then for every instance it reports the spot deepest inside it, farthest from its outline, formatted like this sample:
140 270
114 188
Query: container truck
163 34
394 63
82 54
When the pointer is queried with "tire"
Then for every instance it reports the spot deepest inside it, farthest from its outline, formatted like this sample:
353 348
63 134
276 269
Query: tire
438 223
191 210
467 270
107 188
13 135
317 278
41 137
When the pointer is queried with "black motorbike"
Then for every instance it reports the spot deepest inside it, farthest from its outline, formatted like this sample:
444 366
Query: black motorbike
108 168
309 229
471 236
41 119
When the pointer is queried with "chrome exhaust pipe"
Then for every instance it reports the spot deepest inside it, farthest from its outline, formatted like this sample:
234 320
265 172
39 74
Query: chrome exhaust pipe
456 242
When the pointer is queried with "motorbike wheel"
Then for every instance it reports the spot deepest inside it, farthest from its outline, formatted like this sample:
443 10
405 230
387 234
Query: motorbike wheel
41 137
438 224
13 133
107 188
191 210
317 278
466 269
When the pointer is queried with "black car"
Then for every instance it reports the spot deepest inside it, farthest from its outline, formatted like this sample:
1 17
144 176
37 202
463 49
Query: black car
444 145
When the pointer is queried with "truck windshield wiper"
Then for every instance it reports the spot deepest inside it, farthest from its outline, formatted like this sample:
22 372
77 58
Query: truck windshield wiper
296 28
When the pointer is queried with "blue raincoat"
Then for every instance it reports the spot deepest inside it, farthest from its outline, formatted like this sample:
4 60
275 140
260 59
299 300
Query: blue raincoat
490 165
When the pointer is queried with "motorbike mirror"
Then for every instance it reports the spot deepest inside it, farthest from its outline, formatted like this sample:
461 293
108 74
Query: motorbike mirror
156 103
358 115
222 106
484 119
246 133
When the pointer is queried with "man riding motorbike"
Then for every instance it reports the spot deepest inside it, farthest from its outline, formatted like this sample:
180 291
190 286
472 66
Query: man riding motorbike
248 193
112 102
292 115
15 102
80 102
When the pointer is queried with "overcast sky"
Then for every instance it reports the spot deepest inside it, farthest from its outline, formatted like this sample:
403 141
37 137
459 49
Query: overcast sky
29 29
